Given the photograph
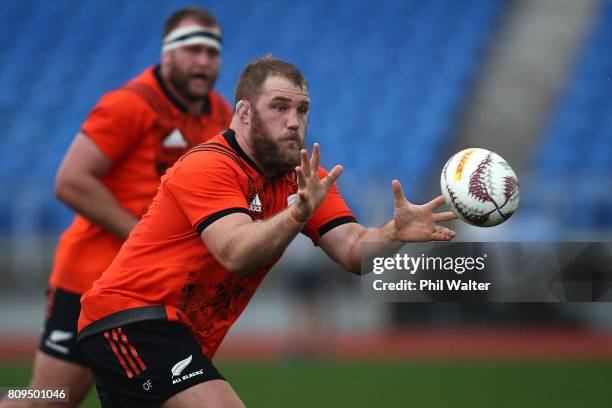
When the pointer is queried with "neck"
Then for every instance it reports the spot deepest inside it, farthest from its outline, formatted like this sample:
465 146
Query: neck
193 106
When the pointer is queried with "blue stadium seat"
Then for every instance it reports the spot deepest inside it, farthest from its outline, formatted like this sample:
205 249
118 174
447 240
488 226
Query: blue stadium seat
386 78
576 149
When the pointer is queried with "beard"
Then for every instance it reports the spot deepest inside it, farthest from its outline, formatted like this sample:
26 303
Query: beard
180 80
274 156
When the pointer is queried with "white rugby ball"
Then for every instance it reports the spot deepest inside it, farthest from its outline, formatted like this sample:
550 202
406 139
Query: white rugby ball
480 187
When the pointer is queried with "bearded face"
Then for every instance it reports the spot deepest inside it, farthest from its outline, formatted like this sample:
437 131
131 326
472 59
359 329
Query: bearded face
278 154
192 79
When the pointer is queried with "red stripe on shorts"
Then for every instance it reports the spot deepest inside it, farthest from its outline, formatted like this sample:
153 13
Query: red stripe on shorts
132 349
124 352
118 355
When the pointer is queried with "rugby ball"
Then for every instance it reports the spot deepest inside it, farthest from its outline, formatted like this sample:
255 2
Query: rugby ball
480 187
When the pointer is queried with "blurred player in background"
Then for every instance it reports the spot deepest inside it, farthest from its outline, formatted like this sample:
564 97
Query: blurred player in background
223 215
111 173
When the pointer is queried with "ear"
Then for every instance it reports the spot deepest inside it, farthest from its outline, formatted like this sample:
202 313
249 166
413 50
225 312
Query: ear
243 111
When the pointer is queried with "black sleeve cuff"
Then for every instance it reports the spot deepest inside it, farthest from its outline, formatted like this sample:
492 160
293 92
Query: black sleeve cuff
335 223
214 217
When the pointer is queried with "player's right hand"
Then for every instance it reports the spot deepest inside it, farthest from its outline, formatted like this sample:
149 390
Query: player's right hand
311 189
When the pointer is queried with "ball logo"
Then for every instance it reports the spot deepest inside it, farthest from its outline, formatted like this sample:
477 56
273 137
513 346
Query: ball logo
461 165
482 190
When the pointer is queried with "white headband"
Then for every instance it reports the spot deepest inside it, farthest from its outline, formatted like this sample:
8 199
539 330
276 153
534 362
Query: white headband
190 35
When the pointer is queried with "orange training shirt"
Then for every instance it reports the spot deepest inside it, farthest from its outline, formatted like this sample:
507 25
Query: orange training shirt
143 130
165 264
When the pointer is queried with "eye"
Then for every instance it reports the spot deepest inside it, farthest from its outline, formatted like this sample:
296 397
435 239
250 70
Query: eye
280 108
302 110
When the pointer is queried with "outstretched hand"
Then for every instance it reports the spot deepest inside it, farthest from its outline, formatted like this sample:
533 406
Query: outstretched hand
311 189
417 223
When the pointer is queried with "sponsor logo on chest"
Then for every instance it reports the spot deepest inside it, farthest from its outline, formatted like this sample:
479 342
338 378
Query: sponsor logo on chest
175 140
255 205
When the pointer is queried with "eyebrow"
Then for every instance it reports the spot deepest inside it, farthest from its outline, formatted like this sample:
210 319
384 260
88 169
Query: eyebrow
282 99
289 100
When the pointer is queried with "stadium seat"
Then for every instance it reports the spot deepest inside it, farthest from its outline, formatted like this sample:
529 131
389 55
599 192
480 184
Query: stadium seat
386 79
575 153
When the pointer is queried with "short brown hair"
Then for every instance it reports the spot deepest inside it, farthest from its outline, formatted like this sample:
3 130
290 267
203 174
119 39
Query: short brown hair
255 74
201 15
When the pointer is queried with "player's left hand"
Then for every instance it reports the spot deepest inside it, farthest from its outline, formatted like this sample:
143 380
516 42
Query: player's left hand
418 223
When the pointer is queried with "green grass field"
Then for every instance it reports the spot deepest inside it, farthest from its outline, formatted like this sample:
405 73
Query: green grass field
404 384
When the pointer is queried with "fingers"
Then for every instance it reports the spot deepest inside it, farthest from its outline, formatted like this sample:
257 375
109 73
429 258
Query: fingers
444 216
301 179
316 155
305 162
435 203
309 168
441 233
332 176
398 193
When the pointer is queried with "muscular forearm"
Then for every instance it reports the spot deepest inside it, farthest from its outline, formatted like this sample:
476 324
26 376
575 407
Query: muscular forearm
360 236
89 197
370 235
254 244
410 223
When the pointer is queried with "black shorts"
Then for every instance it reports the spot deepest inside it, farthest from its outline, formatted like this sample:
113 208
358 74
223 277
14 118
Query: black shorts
59 338
142 364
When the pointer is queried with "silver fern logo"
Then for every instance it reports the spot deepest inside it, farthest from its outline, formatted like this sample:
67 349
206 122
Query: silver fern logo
178 368
60 335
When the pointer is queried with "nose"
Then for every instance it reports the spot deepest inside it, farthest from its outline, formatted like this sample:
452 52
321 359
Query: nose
203 58
293 121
